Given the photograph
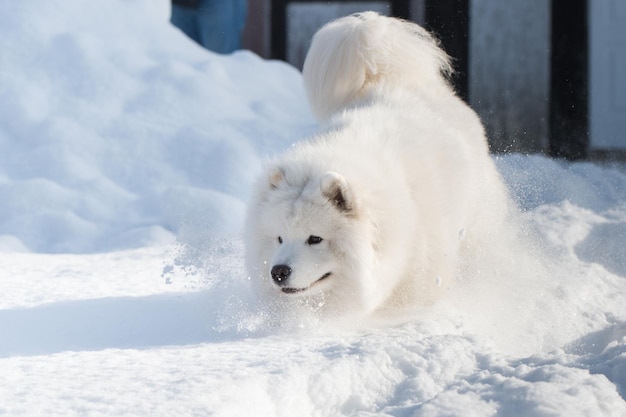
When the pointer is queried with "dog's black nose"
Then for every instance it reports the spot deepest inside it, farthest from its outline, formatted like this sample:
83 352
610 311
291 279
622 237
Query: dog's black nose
280 274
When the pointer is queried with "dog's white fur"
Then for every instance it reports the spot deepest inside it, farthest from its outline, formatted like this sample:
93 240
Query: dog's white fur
399 184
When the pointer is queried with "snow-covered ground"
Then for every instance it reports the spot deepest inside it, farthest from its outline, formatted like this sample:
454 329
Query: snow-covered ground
126 157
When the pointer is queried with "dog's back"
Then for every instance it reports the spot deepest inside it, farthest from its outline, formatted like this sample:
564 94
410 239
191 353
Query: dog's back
353 54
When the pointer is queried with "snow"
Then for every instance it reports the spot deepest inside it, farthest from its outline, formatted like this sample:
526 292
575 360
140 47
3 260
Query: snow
127 153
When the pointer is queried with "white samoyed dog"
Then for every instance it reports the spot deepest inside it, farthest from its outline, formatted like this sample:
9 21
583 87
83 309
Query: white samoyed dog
382 209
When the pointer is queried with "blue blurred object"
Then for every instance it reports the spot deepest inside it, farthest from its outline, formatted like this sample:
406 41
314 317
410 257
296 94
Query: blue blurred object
215 24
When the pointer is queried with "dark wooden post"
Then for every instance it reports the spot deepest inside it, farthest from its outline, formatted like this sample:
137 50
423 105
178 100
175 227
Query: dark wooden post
569 98
449 20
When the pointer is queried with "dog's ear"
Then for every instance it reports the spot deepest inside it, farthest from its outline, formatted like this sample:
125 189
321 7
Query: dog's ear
276 177
338 191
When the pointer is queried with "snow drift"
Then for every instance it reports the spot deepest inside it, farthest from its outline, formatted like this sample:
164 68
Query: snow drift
118 135
115 129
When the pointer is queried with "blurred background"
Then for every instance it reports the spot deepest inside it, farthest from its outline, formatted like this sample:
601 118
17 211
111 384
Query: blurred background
544 75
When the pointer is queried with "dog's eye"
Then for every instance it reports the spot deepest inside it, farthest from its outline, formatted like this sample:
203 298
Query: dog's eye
313 240
280 240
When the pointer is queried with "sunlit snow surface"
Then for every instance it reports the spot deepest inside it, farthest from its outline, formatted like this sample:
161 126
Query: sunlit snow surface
126 157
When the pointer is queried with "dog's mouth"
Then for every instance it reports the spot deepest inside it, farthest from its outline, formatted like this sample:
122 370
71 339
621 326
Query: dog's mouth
290 290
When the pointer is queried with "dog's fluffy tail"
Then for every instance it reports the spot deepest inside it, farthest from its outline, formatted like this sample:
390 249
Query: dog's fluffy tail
350 55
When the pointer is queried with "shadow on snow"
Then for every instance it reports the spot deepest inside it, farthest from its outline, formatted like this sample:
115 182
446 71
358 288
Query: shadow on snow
118 323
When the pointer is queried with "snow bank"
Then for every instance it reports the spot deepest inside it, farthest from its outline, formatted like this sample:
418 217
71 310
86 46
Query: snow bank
116 132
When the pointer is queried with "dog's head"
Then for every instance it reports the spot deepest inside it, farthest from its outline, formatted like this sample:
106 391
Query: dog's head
306 236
